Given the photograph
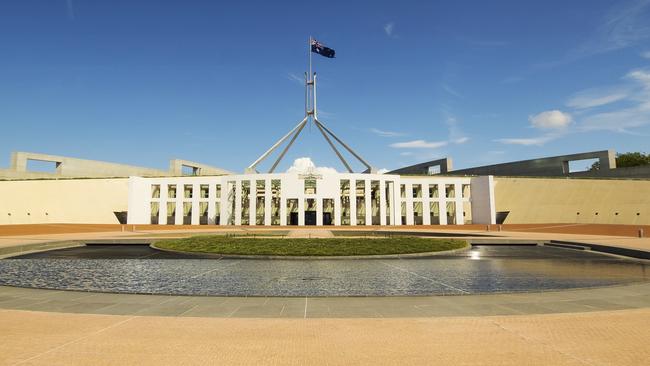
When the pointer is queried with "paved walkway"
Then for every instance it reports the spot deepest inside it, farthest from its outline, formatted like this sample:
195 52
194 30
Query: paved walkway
307 233
605 326
597 338
584 300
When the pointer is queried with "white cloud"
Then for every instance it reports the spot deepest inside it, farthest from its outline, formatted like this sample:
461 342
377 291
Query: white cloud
641 76
382 133
537 141
293 77
451 91
646 54
635 113
382 171
419 144
406 153
595 98
554 119
624 25
619 120
306 165
389 28
456 135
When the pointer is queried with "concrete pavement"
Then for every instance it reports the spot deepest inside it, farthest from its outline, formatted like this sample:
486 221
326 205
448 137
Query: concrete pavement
597 338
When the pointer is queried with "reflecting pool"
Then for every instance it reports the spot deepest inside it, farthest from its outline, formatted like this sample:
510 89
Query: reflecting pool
483 269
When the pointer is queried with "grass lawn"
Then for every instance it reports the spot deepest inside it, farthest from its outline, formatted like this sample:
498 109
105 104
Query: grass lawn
305 247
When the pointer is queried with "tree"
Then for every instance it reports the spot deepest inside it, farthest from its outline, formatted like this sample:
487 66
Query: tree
626 160
632 159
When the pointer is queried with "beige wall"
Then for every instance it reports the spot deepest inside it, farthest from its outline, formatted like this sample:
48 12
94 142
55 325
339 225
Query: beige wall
538 200
529 200
65 201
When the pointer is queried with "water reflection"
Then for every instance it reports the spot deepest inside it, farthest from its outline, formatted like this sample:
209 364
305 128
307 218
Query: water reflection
138 269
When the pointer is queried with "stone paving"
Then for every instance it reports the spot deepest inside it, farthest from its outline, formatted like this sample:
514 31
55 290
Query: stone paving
595 338
604 326
634 296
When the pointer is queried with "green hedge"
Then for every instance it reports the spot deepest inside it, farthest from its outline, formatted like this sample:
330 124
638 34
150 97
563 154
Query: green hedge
309 247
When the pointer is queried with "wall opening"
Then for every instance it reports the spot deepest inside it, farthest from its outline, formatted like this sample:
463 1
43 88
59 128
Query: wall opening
276 186
42 166
345 201
361 202
581 165
328 211
433 170
245 202
292 211
189 170
203 213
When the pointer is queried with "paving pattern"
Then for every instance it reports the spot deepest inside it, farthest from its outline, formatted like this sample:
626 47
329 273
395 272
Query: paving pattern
597 338
598 326
586 300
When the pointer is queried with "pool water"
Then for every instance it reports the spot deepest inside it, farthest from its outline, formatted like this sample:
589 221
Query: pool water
483 269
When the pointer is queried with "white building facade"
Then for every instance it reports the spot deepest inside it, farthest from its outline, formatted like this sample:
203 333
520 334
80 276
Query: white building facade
338 199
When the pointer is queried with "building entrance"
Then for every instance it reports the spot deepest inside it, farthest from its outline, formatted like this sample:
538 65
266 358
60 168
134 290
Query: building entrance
310 217
293 218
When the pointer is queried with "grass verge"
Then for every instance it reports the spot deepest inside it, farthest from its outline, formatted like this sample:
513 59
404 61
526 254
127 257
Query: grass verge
309 247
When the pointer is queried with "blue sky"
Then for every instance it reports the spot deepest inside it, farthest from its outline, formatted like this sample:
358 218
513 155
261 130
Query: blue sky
141 82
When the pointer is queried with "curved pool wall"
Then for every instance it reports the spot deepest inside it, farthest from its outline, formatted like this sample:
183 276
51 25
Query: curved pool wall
484 269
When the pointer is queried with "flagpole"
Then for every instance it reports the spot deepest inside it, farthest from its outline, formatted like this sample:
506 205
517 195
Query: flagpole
309 50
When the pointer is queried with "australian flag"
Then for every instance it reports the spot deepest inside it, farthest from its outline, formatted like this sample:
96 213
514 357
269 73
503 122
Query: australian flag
320 49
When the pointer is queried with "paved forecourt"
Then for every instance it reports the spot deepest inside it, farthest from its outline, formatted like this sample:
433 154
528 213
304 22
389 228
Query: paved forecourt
597 326
632 296
594 338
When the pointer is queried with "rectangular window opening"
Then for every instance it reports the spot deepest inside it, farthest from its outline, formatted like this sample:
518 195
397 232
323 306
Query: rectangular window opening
276 202
189 170
171 191
155 210
433 170
188 191
42 166
155 191
582 165
450 190
310 186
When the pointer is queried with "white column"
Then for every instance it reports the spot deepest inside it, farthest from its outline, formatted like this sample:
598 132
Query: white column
252 203
194 214
368 202
460 220
178 218
409 203
238 202
301 209
223 205
283 207
267 202
382 202
319 211
442 204
394 203
337 211
162 216
482 200
212 187
353 202
426 206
